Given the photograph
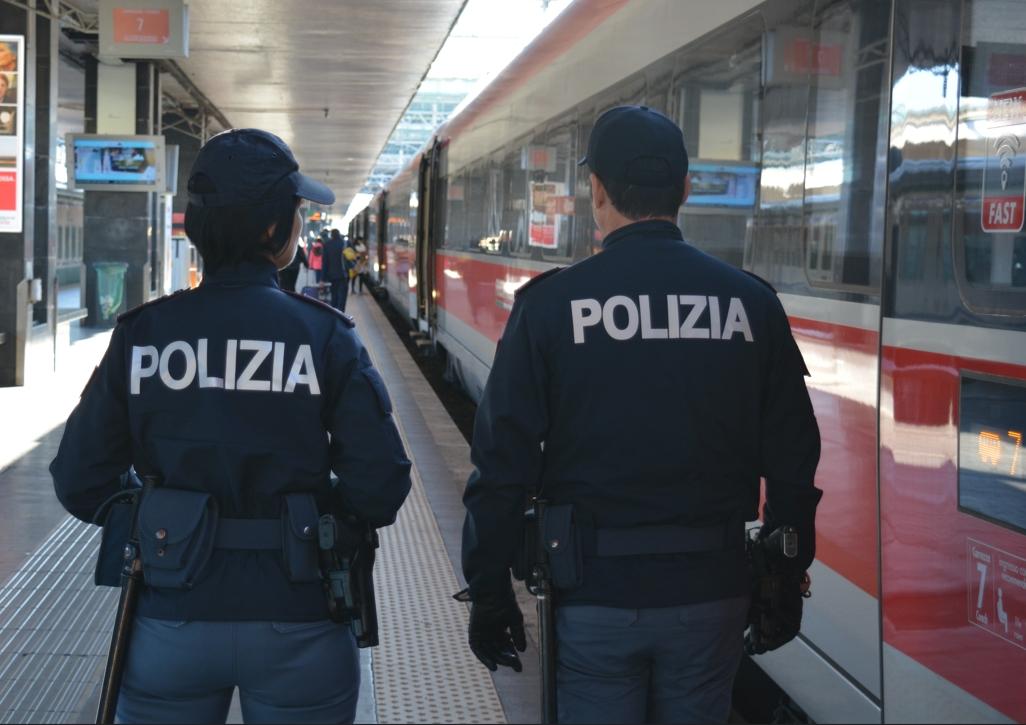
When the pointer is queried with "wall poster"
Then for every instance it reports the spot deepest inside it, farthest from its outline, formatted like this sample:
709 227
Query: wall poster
12 146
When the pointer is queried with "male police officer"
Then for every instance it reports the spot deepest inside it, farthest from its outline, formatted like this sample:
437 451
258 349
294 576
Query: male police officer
243 399
642 392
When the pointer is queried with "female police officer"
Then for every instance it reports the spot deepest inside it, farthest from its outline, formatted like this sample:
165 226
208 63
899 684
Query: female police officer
242 399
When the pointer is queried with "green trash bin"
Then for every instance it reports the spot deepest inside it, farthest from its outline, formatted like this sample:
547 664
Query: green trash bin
110 290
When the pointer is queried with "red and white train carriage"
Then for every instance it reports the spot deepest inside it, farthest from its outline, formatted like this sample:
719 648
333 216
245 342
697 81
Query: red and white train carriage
868 158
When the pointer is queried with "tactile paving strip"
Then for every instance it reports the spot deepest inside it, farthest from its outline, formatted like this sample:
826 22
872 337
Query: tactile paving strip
423 669
55 629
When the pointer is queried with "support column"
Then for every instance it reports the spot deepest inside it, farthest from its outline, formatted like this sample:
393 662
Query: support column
16 250
119 225
46 99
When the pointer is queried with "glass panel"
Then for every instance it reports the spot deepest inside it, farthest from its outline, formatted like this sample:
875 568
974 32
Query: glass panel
990 188
775 250
717 106
845 57
991 459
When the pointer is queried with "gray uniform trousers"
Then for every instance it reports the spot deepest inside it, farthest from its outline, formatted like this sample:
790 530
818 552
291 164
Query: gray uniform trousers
286 672
666 665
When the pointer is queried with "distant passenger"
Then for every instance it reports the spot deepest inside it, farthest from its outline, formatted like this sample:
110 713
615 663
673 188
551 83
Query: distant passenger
336 271
641 392
357 260
243 400
289 275
316 255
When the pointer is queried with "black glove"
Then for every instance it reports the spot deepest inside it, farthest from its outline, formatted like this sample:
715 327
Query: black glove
497 631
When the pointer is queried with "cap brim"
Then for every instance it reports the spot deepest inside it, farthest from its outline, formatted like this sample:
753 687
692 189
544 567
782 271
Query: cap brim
583 161
315 191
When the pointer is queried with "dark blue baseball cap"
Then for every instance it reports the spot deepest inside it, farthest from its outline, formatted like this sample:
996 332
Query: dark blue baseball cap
638 146
247 166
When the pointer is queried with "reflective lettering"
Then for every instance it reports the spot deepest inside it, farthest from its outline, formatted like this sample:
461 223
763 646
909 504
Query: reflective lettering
138 370
688 331
302 372
609 320
714 318
229 364
278 366
647 331
737 321
190 365
673 316
261 348
205 381
584 313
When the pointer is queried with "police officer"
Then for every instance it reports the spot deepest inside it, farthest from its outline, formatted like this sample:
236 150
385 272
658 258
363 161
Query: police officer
243 399
642 392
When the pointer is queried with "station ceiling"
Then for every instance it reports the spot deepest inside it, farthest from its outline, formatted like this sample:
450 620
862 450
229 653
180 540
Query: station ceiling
331 77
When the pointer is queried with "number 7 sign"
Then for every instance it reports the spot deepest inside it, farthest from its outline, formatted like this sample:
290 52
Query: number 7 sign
143 27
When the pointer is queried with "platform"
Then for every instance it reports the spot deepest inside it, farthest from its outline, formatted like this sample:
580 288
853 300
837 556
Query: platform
55 625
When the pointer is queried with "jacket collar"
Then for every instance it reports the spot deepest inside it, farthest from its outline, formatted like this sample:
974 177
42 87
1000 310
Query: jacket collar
248 273
648 227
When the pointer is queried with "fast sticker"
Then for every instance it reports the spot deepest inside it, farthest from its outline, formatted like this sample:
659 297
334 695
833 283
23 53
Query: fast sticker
1004 175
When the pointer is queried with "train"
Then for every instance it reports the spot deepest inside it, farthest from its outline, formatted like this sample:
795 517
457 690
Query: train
868 159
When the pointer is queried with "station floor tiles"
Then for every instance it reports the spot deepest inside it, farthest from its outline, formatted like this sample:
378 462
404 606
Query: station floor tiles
54 625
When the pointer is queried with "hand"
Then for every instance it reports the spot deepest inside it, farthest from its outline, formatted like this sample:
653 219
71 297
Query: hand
497 631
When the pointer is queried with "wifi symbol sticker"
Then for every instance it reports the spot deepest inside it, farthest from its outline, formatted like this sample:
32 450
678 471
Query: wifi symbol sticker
1004 174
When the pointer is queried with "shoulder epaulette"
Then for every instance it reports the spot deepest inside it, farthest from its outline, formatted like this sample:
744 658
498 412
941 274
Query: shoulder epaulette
135 310
346 319
536 279
756 277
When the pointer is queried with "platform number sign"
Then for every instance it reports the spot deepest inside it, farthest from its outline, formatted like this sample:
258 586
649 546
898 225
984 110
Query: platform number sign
1004 175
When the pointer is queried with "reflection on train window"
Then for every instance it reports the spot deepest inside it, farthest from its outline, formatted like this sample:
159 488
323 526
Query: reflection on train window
519 204
845 57
990 191
991 455
717 106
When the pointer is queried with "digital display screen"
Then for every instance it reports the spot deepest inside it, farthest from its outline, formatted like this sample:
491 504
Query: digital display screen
722 185
115 163
991 455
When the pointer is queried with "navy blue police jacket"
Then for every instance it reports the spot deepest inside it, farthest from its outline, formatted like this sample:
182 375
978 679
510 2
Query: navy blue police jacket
242 390
650 384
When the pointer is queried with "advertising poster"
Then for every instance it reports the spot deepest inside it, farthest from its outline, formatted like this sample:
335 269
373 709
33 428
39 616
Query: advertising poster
545 217
12 104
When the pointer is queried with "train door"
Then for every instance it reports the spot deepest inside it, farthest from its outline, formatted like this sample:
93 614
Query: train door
427 187
953 380
381 235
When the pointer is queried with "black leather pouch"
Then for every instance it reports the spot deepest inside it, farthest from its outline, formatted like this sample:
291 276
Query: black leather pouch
176 536
299 538
117 528
563 546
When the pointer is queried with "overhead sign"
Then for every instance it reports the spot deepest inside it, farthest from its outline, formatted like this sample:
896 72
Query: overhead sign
1004 174
12 146
144 29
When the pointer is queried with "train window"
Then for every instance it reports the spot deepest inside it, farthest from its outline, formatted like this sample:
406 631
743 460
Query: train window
990 183
991 459
550 202
845 57
717 105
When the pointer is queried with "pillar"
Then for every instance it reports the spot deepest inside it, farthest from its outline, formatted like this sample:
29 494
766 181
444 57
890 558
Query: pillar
16 250
120 226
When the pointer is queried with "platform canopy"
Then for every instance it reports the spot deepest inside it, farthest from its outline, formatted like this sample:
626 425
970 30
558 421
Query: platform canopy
331 77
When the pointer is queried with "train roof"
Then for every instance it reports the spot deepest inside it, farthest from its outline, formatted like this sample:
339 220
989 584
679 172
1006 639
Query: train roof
590 46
